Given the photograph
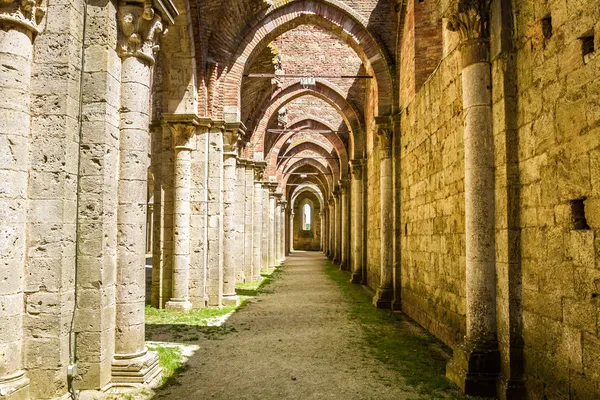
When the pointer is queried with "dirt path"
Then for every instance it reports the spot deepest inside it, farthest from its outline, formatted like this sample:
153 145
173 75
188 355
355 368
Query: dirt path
294 343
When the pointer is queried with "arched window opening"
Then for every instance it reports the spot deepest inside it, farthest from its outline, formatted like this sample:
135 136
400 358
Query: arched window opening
306 217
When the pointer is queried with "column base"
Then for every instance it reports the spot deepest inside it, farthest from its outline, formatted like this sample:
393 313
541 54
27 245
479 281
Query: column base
344 266
231 300
475 368
356 279
14 387
383 298
512 390
131 370
396 305
181 305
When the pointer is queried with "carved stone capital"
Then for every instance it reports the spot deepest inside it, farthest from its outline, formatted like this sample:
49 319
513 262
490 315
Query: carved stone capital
385 132
26 14
357 168
140 28
231 140
470 18
259 170
182 133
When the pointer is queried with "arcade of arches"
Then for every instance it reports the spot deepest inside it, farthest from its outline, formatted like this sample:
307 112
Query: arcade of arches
446 153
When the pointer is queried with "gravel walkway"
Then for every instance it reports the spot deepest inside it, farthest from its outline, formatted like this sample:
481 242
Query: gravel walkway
294 343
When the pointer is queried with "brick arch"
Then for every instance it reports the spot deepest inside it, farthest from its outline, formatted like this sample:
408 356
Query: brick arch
336 20
325 180
280 146
309 187
323 90
320 184
313 149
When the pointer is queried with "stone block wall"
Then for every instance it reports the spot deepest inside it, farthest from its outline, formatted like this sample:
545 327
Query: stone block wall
432 205
558 134
311 239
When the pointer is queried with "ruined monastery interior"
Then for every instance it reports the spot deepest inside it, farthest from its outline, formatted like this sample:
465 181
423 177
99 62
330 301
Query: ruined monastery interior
444 153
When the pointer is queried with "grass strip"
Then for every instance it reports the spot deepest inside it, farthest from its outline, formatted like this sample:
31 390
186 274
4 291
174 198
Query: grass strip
394 339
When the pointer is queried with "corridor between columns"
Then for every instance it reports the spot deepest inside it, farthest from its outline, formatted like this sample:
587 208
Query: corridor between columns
299 339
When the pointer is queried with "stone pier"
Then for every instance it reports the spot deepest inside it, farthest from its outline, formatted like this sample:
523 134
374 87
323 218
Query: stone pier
182 135
249 222
385 291
344 222
476 363
132 362
356 220
230 246
19 26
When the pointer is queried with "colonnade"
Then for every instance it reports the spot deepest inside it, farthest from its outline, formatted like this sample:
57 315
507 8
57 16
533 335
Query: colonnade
239 223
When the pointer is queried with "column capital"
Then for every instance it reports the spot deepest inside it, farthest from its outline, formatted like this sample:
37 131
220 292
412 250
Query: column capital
470 18
232 137
24 14
343 185
140 27
385 133
273 187
357 168
331 201
241 162
182 134
259 169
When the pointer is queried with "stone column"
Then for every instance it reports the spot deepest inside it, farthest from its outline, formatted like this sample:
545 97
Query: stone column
291 230
230 246
273 198
19 26
282 230
277 233
356 220
132 362
344 222
322 239
240 221
182 148
385 291
266 224
338 224
331 228
476 363
258 244
214 236
249 222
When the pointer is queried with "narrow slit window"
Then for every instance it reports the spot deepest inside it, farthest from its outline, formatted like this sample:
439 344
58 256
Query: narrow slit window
306 217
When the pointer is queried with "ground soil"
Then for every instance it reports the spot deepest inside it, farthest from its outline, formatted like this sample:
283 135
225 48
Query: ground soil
294 342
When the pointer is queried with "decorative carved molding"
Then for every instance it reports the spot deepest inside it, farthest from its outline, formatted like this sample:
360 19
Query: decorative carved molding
259 170
470 19
22 13
231 140
385 133
182 133
357 168
139 31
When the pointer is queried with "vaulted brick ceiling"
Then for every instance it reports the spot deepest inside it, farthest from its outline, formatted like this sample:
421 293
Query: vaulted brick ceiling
304 50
